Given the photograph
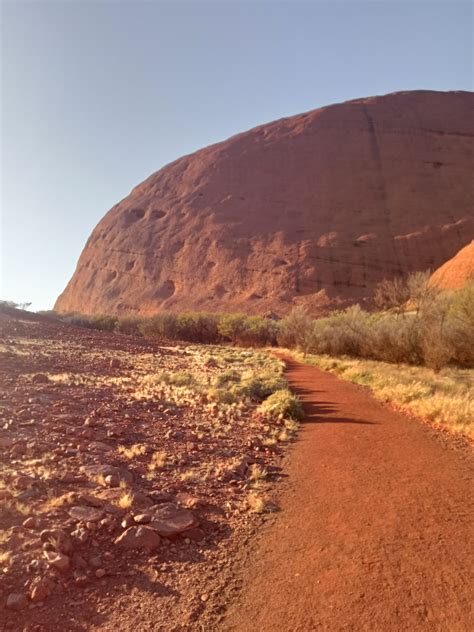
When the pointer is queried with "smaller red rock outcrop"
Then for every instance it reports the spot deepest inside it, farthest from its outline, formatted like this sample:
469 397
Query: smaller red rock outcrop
457 271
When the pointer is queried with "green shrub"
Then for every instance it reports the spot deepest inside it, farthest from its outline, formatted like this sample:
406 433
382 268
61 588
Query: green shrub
282 404
296 330
159 327
227 377
129 325
258 387
102 322
459 328
248 331
222 396
189 327
181 378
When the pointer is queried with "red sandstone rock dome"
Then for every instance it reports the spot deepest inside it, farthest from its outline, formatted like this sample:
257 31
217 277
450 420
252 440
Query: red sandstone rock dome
457 271
314 209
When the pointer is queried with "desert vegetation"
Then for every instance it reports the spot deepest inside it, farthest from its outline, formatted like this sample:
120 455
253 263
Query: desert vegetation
416 324
197 327
416 354
418 348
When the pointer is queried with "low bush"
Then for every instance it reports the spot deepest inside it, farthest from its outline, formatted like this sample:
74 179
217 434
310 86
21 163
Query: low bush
258 387
227 377
181 378
102 322
189 327
129 325
296 330
282 404
159 327
421 326
222 396
248 331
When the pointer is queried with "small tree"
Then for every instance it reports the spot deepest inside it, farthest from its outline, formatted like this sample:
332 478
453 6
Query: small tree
392 295
296 329
232 326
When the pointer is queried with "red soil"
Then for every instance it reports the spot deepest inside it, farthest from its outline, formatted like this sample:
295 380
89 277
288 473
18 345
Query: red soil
375 525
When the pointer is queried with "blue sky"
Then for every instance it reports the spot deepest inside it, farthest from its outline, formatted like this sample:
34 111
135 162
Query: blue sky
95 96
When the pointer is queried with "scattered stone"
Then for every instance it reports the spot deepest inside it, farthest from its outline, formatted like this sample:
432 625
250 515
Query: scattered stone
6 442
170 519
100 572
80 579
95 562
188 501
115 363
94 471
100 446
29 523
141 537
58 538
17 601
58 561
128 521
86 514
78 561
40 588
108 523
40 378
81 535
112 480
142 518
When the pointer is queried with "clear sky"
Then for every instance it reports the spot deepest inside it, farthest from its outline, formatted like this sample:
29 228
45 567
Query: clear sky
96 96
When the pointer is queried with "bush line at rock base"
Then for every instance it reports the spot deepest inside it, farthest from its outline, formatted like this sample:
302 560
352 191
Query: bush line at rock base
418 324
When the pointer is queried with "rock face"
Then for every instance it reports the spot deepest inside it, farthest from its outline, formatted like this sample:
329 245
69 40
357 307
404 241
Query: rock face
313 209
457 271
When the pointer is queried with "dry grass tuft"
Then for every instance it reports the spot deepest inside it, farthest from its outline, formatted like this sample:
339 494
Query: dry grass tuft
158 461
257 473
137 449
126 500
256 503
5 558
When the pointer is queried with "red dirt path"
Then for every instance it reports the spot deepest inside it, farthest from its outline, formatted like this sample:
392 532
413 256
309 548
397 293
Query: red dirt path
375 528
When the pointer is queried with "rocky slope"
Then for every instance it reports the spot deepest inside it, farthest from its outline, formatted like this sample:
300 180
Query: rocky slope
315 209
457 271
124 492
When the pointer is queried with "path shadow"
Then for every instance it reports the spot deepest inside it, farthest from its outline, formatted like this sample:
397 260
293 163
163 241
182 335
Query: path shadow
322 411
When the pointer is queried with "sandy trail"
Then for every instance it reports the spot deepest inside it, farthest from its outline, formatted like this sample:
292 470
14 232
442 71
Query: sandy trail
375 528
